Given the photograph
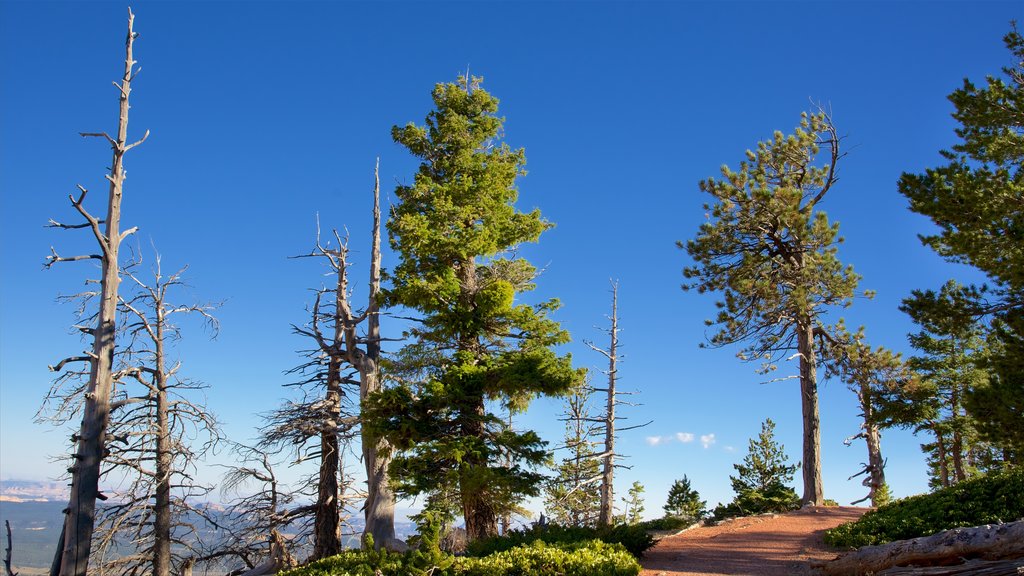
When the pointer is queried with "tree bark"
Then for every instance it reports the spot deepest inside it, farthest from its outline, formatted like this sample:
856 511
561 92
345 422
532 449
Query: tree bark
606 517
81 515
327 517
813 492
993 542
379 509
164 458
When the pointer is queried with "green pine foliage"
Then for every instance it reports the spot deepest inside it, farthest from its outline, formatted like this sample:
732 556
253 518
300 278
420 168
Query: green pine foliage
976 201
951 351
573 496
633 504
684 502
990 499
761 486
771 252
476 347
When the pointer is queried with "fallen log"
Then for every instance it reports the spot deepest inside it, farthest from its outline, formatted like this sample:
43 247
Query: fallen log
971 567
991 542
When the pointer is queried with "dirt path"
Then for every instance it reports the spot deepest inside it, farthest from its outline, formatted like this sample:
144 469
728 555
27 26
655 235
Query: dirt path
758 546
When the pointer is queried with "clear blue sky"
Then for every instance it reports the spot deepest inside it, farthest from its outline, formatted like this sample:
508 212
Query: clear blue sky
265 114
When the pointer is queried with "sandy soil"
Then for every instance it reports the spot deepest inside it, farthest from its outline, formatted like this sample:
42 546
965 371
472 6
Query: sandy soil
777 545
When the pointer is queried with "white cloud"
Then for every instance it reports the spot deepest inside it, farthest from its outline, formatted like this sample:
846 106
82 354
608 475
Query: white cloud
657 440
729 448
684 437
706 440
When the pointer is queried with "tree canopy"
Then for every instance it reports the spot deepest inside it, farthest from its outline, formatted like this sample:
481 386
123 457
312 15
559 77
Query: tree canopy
773 255
454 230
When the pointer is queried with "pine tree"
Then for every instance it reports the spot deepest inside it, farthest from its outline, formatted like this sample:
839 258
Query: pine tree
455 230
772 253
975 200
633 504
684 502
573 496
951 351
762 476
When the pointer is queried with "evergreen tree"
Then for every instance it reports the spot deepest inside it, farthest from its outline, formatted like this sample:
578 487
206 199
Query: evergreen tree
634 504
684 502
761 484
455 230
976 201
772 253
951 350
573 496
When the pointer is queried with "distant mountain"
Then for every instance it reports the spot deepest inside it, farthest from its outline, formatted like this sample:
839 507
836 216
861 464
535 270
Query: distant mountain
33 491
36 522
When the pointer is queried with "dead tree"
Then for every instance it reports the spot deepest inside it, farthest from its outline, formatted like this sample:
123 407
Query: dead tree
156 432
8 569
335 330
609 419
254 520
990 542
76 538
163 430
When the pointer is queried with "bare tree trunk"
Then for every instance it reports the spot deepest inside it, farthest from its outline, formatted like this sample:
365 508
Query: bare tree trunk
164 458
379 508
876 463
813 491
85 472
607 513
327 517
998 541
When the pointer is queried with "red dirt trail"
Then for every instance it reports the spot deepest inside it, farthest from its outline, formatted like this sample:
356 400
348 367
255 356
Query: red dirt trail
778 545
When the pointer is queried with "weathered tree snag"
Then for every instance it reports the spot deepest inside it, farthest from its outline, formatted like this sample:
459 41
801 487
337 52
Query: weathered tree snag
969 568
608 420
991 542
607 513
10 548
379 509
85 471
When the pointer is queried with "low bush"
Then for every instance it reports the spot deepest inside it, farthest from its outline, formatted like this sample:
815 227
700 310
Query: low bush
991 499
591 558
634 538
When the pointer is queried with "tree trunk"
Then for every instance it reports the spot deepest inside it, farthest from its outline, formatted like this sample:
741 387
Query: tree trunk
379 509
958 444
873 438
606 517
164 457
940 447
327 517
477 506
813 492
992 542
85 472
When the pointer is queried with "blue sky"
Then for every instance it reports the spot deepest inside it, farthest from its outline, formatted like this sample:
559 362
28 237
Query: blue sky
264 114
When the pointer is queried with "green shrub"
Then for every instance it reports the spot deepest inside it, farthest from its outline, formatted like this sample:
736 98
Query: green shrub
829 502
634 538
591 558
991 499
